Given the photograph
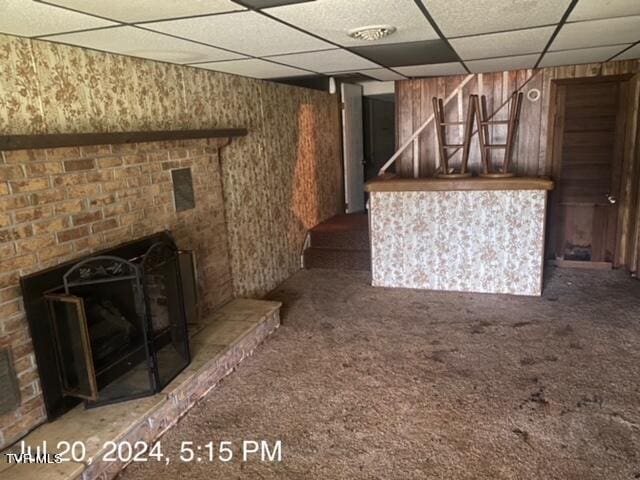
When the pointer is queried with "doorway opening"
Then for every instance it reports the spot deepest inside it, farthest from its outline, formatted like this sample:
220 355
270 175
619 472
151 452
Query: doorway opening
369 139
379 133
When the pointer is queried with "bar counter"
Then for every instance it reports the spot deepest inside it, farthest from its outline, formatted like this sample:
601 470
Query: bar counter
467 235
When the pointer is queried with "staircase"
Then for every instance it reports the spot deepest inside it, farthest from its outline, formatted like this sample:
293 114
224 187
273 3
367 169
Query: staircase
341 243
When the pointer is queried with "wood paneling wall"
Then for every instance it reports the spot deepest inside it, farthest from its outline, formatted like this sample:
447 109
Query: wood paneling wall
413 107
532 153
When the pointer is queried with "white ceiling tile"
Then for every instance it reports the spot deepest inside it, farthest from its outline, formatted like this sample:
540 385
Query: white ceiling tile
433 70
325 61
332 19
383 74
631 54
464 17
145 10
142 43
503 44
596 33
595 9
255 68
245 32
29 19
502 64
581 55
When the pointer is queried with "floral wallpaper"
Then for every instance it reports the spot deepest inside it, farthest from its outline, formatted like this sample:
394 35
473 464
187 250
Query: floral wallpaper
281 179
475 241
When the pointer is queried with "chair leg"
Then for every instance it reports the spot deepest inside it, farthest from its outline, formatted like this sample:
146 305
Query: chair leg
482 133
507 150
514 118
440 134
466 144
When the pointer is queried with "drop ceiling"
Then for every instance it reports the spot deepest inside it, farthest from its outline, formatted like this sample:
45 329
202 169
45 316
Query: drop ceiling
287 39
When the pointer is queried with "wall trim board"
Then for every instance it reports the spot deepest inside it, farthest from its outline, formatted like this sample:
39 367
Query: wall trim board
630 170
596 79
57 140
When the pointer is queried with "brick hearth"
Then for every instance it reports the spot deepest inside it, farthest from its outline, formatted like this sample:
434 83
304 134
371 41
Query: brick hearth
233 333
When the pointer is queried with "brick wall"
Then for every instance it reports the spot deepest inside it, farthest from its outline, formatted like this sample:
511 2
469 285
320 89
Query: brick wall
61 204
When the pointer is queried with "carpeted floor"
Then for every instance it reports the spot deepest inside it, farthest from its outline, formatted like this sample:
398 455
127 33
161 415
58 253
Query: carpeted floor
367 383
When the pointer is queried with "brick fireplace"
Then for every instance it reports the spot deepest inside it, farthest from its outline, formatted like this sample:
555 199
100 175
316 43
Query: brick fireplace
61 204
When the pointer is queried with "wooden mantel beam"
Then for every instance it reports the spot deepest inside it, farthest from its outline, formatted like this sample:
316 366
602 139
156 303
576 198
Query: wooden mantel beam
23 142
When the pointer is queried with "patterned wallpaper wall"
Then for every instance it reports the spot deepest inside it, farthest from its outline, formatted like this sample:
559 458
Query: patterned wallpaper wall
284 177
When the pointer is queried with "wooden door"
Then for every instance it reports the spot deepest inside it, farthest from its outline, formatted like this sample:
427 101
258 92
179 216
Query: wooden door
353 148
588 149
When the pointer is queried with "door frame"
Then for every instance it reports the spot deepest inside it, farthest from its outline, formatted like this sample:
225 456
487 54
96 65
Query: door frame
626 173
353 155
631 219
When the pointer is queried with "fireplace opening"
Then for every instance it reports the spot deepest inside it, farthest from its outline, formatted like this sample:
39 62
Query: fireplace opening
117 323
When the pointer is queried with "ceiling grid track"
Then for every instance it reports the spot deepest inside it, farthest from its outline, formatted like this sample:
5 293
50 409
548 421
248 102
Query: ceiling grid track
309 40
557 30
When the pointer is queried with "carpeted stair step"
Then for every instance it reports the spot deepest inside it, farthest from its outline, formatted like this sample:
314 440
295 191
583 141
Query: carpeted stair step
342 232
340 240
337 259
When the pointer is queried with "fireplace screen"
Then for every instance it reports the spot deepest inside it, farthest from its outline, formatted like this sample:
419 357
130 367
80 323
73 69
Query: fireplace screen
120 325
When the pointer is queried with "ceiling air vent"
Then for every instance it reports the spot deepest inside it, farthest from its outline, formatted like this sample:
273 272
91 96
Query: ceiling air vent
372 32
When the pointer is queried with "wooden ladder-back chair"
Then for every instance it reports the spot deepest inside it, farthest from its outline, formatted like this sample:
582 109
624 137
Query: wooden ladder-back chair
441 133
486 147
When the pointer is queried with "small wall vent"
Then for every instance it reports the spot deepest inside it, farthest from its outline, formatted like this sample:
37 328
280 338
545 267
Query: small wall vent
183 195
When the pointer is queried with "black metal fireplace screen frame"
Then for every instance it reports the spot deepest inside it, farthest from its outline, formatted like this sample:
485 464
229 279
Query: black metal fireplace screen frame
150 346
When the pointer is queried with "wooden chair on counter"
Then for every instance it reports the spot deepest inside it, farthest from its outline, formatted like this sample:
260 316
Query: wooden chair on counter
446 171
486 147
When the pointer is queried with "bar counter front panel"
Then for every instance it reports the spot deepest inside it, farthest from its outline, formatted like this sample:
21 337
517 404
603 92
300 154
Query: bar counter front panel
476 235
